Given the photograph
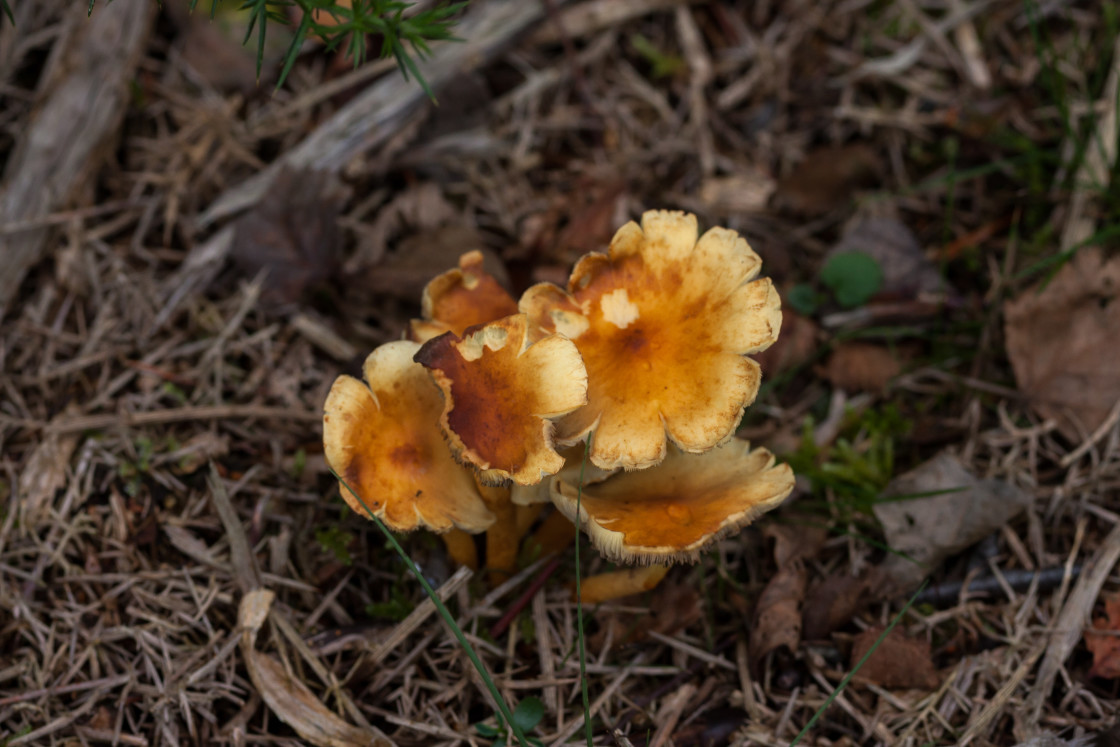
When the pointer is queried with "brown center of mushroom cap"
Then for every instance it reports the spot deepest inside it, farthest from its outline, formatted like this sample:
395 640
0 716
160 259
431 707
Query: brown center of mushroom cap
499 392
476 419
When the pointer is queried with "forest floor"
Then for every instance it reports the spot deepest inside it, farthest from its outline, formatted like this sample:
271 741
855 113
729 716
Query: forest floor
193 257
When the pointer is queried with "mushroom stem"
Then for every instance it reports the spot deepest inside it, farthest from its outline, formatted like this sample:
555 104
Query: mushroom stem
615 584
526 515
554 535
502 537
460 546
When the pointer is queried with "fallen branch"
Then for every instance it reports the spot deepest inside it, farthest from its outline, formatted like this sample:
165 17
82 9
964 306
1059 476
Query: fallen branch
58 150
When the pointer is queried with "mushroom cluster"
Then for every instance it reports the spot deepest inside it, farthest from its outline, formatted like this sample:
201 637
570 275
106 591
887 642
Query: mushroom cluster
486 413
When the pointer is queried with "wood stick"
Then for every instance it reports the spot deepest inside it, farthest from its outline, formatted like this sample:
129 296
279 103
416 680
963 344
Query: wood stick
81 111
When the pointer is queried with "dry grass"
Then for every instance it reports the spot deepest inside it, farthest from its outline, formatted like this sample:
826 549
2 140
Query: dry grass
120 580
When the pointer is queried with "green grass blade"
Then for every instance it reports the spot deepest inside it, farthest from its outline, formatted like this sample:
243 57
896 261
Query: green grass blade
579 611
507 715
848 677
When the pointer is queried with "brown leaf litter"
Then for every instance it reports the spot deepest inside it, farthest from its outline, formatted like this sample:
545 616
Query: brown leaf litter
125 370
1061 339
777 615
861 367
897 661
292 236
937 509
826 178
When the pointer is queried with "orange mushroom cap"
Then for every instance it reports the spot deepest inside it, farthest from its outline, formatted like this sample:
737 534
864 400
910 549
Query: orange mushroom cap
384 441
461 298
500 394
663 322
669 513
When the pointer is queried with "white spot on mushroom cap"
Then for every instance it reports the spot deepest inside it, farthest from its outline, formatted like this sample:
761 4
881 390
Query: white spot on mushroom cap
618 309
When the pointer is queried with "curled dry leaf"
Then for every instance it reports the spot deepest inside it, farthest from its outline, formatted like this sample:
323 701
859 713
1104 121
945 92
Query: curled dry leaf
832 602
292 234
1061 339
897 662
777 620
288 698
1106 648
936 510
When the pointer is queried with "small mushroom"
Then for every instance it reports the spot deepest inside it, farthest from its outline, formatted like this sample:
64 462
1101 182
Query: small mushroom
461 298
501 394
663 322
383 439
669 513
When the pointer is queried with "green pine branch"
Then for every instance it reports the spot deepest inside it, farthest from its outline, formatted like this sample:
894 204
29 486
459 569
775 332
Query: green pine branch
405 39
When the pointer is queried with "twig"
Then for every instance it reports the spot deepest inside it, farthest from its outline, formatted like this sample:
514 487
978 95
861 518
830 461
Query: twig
1101 431
520 603
119 679
1071 621
1019 579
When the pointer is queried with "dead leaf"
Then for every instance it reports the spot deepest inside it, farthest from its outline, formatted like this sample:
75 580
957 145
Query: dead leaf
833 602
1106 648
796 345
188 543
951 510
292 234
778 612
46 471
827 178
289 698
907 272
861 367
898 662
1061 339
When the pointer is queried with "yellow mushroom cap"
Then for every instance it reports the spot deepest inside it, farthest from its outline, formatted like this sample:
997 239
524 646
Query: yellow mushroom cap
461 298
384 441
663 322
500 394
669 513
